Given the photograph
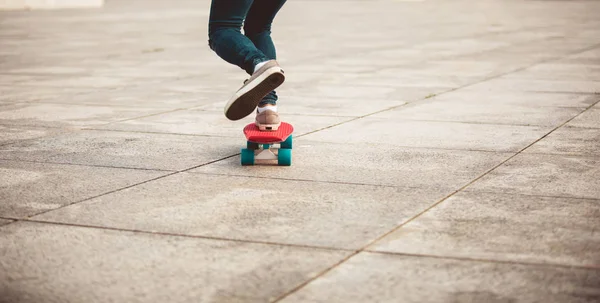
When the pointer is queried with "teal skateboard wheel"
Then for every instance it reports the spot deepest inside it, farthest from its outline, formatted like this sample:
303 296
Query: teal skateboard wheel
287 144
247 156
284 157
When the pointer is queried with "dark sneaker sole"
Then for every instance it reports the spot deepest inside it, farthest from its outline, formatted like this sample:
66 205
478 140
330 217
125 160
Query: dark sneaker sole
247 103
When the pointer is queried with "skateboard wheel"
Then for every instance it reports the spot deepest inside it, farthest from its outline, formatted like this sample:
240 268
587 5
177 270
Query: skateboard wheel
284 158
247 156
252 145
287 144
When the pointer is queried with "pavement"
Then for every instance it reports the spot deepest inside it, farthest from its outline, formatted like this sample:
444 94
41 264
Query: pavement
445 151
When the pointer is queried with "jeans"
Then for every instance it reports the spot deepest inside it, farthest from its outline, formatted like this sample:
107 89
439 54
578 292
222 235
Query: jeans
254 46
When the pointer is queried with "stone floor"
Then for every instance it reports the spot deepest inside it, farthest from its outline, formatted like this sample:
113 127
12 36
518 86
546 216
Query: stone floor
447 151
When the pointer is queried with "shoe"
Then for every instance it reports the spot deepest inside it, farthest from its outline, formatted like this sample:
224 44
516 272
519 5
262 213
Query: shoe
268 120
246 99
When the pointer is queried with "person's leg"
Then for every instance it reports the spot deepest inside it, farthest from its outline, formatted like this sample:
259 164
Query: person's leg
257 27
226 39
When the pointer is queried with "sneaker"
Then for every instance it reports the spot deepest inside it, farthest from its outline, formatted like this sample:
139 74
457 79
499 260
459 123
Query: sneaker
267 120
262 82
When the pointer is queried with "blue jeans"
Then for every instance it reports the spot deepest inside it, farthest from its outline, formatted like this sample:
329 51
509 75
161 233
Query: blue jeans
254 46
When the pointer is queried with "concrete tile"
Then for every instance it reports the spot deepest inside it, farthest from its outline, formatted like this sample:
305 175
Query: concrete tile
462 46
137 98
225 84
293 212
504 227
19 94
12 134
66 115
539 174
12 80
447 135
396 78
44 262
49 71
417 93
318 67
587 58
371 277
569 141
590 118
519 99
457 68
560 71
538 48
512 84
295 105
120 149
5 221
213 123
163 71
80 81
339 91
479 111
370 164
30 188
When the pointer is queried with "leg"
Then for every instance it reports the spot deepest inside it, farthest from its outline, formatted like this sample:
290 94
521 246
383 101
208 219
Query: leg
258 29
257 26
225 37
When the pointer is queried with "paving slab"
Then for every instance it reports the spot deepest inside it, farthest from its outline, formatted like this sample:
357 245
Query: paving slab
75 81
137 97
5 221
587 58
31 188
294 212
223 84
370 164
342 91
298 105
432 134
519 99
560 71
122 149
19 94
550 175
534 229
212 123
516 84
569 141
480 110
12 134
160 69
67 115
479 69
590 118
53 263
371 277
401 78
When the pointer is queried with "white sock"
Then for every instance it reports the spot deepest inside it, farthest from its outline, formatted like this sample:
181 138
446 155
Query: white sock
258 66
268 107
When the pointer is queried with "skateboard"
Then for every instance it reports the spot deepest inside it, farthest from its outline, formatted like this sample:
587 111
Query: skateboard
260 145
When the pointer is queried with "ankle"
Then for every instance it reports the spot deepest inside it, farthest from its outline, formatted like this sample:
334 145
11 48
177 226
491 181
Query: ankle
259 65
264 107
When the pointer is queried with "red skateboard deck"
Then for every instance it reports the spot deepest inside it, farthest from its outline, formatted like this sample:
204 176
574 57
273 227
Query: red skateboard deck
253 134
